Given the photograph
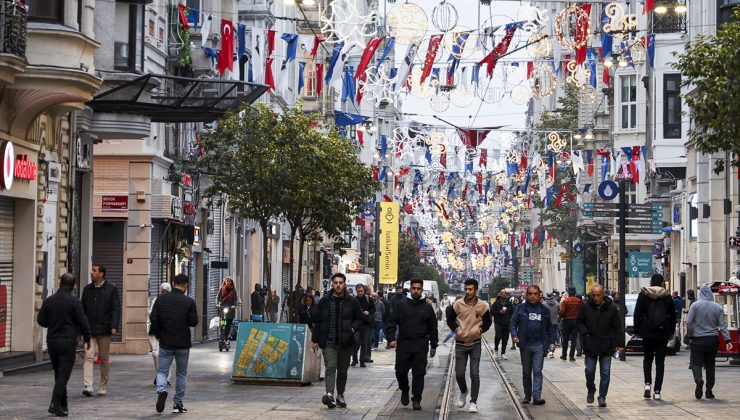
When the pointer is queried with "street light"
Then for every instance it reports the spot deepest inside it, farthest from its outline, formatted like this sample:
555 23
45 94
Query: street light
663 9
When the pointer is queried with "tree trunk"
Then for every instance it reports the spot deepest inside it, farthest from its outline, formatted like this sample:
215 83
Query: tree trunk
265 261
292 258
301 243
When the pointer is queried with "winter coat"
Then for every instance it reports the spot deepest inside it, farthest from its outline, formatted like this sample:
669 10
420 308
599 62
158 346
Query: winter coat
226 302
554 307
305 315
654 295
257 303
570 307
706 317
532 320
273 304
600 327
367 304
350 320
172 316
469 320
497 306
102 307
63 317
416 323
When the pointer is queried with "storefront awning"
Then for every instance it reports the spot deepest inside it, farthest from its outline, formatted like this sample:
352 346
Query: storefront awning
177 99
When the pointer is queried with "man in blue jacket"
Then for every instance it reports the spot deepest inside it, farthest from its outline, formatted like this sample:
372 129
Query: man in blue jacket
533 332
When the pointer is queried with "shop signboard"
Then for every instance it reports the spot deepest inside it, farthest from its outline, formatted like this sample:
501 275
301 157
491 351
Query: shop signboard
114 203
640 264
388 265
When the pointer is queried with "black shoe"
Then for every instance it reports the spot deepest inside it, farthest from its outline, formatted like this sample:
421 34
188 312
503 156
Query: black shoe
526 399
354 363
168 383
328 401
161 399
87 392
698 391
362 364
177 408
590 397
709 394
340 401
602 401
538 401
563 357
369 361
404 398
572 359
416 404
579 354
155 381
58 411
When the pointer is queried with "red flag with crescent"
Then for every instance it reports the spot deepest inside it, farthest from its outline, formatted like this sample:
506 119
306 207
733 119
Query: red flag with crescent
226 55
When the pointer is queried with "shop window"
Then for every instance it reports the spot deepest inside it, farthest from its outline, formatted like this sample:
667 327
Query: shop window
128 37
672 106
46 10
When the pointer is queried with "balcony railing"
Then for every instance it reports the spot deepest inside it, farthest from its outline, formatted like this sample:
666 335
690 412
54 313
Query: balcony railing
12 28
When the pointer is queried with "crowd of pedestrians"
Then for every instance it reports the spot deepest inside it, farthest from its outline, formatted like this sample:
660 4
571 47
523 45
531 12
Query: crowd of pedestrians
347 328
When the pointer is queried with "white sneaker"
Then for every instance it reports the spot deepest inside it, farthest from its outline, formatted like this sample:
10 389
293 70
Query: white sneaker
473 408
656 396
503 356
461 399
551 355
497 355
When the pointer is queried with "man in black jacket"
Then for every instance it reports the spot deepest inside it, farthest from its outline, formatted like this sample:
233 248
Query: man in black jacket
64 319
601 328
501 310
337 321
367 307
172 316
102 305
257 301
417 325
655 323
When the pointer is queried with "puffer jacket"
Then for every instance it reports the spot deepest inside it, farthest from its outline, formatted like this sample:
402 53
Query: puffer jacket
102 307
654 295
600 327
172 316
351 318
469 320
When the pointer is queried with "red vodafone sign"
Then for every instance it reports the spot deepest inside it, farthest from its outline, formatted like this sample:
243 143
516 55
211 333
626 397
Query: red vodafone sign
15 166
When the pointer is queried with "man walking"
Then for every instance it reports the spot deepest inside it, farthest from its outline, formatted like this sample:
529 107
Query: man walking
64 319
257 302
554 308
655 322
501 310
172 316
102 305
416 323
153 342
367 307
469 318
601 328
379 319
569 309
336 320
533 332
705 319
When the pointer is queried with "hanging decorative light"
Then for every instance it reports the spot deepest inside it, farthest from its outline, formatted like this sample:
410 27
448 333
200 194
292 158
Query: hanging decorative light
587 94
543 81
566 24
577 75
343 23
444 16
556 143
407 23
520 94
539 46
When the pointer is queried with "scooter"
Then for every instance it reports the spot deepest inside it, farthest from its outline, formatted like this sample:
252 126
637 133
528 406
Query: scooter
223 340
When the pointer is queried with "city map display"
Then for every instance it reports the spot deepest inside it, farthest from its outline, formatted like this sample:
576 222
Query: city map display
269 350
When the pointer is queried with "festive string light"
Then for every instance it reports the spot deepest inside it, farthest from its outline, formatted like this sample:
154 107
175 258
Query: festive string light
543 81
556 143
343 23
566 28
444 16
407 23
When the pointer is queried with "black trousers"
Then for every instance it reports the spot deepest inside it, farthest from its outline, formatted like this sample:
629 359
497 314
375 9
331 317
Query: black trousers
703 354
62 354
364 346
655 348
502 336
570 333
417 363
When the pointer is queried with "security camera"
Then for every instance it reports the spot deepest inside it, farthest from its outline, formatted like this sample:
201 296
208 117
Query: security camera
145 225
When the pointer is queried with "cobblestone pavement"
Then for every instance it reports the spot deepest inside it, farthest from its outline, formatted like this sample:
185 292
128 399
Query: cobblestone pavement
565 390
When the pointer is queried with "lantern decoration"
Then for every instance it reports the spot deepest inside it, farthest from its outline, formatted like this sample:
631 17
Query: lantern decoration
491 92
463 95
539 46
587 94
566 24
343 23
444 16
461 42
378 86
534 17
418 89
620 23
577 74
543 80
520 94
407 23
556 143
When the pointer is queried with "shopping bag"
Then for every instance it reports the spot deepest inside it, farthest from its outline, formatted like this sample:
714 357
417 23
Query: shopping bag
214 322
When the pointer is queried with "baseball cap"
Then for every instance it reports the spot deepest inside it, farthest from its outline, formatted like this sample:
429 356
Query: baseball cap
166 287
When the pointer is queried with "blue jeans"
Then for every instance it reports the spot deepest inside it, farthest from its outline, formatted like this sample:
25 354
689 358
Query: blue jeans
379 328
533 356
605 365
166 356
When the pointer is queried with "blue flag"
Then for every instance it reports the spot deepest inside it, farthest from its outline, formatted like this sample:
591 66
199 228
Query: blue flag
386 51
301 80
290 52
241 32
651 50
333 61
606 38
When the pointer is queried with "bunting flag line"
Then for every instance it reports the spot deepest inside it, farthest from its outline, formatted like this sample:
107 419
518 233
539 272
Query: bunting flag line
269 80
388 47
406 64
205 30
241 31
500 49
258 44
183 19
292 47
319 78
226 55
317 40
434 41
582 30
367 55
335 56
301 80
270 42
651 50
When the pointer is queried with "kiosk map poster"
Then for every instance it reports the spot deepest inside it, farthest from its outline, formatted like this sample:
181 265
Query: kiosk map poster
269 350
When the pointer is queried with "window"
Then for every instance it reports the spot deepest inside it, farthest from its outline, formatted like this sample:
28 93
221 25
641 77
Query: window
46 10
151 27
193 18
672 106
693 216
628 101
128 37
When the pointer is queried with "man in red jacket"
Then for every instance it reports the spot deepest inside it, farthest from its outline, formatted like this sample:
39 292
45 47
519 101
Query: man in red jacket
569 309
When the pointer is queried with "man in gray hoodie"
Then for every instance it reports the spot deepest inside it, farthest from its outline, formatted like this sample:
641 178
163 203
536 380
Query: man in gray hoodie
705 319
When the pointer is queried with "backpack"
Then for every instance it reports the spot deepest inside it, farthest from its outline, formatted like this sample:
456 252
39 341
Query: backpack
655 321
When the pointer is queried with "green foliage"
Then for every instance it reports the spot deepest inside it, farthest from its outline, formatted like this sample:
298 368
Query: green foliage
428 272
496 285
409 261
565 117
709 68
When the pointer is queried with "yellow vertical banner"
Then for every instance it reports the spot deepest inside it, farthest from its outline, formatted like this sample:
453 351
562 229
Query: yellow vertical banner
590 281
388 265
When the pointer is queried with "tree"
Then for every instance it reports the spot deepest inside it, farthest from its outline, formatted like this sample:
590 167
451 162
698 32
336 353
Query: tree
409 261
241 157
709 68
497 284
428 272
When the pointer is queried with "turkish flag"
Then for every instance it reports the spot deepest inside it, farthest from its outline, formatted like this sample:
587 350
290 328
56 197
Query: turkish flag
226 55
372 46
434 41
319 79
269 79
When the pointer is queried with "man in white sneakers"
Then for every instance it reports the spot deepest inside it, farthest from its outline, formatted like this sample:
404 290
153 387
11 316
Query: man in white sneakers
469 318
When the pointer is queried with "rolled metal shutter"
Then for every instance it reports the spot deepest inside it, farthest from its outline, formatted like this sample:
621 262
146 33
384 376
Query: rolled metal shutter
109 240
155 265
7 218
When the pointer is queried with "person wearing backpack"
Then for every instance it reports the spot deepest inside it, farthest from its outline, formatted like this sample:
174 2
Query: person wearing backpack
655 322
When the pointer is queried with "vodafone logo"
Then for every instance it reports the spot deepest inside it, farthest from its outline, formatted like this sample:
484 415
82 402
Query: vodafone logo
7 151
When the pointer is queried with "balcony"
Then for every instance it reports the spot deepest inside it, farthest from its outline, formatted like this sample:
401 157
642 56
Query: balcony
12 40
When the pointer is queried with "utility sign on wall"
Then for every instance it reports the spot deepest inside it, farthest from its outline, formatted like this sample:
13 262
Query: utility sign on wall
388 264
